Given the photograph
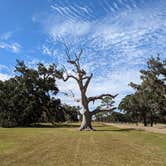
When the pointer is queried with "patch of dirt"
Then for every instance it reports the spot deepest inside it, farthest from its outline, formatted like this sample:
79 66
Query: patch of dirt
159 128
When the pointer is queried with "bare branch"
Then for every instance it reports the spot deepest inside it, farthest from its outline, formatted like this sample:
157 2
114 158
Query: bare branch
75 61
67 51
100 97
102 110
87 82
68 75
64 69
84 78
79 55
75 64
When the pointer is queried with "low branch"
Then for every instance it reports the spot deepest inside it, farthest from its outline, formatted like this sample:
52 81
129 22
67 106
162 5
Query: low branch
102 110
100 97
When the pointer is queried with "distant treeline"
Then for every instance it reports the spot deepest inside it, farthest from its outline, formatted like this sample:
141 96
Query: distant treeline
30 97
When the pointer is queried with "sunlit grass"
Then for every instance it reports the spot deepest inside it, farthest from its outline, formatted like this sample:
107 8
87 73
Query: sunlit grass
66 146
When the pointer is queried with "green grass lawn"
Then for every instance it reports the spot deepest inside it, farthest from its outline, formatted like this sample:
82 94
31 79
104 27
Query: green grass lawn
66 146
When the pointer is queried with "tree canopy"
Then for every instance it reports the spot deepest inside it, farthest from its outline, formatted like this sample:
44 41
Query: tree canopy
30 96
149 100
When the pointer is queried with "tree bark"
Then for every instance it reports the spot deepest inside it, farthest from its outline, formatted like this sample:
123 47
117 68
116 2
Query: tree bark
86 121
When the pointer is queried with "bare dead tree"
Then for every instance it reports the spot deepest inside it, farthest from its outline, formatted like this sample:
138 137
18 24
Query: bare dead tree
83 80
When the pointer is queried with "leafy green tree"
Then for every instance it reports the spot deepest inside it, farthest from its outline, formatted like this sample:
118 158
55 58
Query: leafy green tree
149 100
106 103
130 106
71 112
29 95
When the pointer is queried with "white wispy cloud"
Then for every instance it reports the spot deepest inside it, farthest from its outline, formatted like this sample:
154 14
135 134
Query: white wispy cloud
73 28
46 50
13 47
7 43
117 43
6 35
5 72
3 67
4 77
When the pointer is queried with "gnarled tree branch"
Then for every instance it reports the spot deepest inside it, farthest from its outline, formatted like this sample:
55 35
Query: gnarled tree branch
69 76
76 61
100 97
87 81
97 110
83 80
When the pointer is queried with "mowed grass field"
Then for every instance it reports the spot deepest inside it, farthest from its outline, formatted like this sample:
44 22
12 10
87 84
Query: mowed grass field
66 146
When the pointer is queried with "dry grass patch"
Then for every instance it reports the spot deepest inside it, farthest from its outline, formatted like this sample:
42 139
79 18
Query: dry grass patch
65 146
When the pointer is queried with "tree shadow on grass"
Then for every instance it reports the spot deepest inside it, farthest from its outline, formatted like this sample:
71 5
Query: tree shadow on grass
56 125
100 127
120 130
67 126
63 125
48 125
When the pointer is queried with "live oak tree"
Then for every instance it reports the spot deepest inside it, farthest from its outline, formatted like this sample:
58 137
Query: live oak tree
83 79
152 90
30 95
149 99
131 107
71 112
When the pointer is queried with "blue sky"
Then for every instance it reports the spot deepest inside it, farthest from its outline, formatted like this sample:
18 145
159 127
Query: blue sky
117 36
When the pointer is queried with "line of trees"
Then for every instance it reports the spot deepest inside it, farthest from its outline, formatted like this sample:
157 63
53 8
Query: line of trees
148 103
114 117
30 97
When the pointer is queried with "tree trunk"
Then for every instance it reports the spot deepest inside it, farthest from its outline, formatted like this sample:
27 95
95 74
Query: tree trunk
86 121
151 124
151 120
145 120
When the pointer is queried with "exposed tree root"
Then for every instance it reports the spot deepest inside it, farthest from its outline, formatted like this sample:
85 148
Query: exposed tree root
86 129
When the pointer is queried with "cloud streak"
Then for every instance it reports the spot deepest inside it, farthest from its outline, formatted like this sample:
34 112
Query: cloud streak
13 47
117 37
